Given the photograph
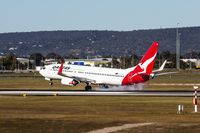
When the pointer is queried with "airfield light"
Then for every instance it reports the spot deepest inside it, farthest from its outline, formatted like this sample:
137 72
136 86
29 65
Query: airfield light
24 95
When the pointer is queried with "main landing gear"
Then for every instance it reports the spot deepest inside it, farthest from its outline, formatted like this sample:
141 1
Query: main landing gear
105 86
51 82
88 87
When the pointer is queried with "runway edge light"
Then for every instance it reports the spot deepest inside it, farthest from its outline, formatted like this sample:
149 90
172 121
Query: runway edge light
24 95
195 98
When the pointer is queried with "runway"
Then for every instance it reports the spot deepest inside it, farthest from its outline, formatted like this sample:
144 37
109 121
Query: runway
150 93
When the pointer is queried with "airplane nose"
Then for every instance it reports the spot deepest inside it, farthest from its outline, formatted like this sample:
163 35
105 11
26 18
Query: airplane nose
41 72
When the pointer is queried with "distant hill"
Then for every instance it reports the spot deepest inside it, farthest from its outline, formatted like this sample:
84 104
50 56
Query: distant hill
91 43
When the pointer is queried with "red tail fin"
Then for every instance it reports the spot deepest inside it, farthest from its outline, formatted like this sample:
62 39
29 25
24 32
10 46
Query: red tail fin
142 71
146 64
61 68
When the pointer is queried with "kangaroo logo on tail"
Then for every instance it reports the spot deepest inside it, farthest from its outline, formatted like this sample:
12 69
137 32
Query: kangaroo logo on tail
143 66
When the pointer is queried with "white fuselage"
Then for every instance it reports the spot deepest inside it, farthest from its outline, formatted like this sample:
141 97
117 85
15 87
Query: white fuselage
97 75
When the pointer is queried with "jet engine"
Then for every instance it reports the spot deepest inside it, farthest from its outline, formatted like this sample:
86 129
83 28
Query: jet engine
151 76
147 77
68 81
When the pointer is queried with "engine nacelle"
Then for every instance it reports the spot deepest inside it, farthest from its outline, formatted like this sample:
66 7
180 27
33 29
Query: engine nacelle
151 76
68 81
147 77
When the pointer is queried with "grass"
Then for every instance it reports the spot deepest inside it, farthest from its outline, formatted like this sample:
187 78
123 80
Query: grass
82 114
85 113
32 81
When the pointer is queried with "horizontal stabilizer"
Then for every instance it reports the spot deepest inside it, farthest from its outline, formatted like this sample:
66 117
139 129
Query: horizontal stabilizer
158 74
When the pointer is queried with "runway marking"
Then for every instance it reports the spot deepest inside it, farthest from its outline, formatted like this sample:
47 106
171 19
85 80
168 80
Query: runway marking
98 93
175 84
118 128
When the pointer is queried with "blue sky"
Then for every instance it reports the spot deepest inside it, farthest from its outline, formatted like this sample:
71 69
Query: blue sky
121 15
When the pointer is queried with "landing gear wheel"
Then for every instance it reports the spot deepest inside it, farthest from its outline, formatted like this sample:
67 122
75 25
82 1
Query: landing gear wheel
105 87
51 83
88 88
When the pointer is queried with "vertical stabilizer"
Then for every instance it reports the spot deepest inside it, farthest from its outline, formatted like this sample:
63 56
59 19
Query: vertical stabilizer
146 64
143 70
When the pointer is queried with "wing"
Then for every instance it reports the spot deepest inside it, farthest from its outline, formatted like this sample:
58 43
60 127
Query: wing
79 79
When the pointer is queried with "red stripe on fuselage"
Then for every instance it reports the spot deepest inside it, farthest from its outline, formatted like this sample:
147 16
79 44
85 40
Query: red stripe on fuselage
61 68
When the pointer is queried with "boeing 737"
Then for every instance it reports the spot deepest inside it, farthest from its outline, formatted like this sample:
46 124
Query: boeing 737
73 74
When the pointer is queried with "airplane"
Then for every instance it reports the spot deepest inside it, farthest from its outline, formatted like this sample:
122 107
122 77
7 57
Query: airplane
73 74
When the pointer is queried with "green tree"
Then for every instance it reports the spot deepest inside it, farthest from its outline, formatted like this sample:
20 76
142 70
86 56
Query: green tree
10 62
1 63
115 63
54 56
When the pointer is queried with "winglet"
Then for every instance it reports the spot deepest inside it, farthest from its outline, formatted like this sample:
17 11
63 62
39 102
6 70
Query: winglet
61 68
162 67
